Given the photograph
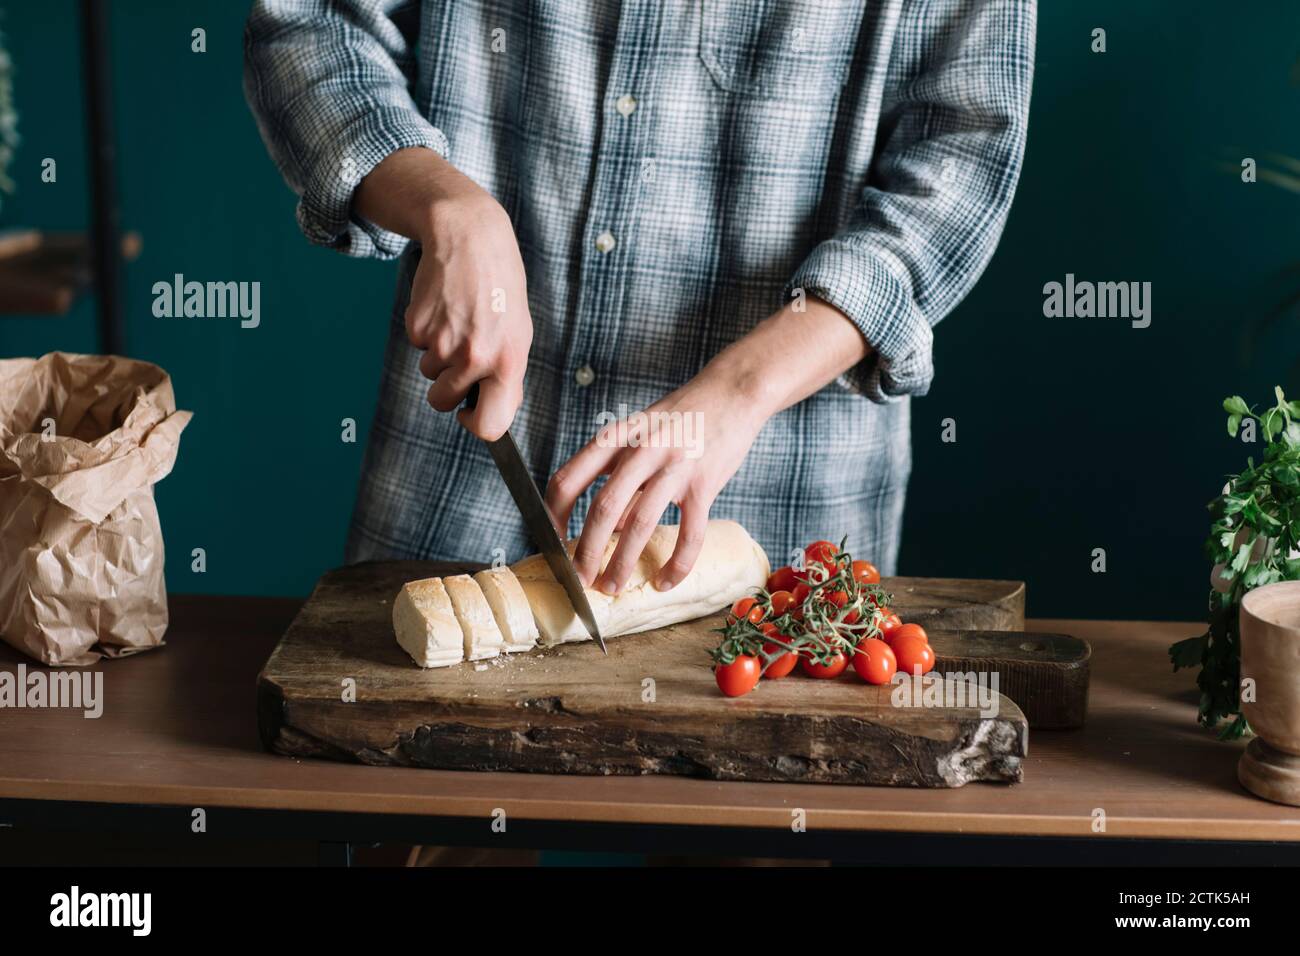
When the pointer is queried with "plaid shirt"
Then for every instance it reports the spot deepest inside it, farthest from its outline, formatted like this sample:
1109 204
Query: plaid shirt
736 152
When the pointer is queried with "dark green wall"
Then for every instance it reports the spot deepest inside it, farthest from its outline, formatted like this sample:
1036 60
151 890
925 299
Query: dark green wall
1072 433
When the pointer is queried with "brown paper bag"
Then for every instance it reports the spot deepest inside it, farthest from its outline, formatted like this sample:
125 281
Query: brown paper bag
83 439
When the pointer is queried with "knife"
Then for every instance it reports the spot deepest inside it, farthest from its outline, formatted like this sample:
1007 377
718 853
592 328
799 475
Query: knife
537 519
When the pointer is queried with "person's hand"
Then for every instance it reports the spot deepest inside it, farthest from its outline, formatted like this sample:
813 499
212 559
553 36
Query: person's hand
683 449
468 309
686 447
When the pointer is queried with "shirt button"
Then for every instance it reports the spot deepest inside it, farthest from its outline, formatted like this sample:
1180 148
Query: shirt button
626 104
605 242
584 376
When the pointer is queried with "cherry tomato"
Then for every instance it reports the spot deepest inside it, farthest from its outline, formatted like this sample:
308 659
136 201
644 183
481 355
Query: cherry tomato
820 552
799 595
874 661
889 622
780 666
823 552
906 630
747 608
824 671
864 572
913 653
739 677
782 601
782 579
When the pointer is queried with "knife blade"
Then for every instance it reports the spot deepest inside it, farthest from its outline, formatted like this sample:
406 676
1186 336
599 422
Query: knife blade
537 519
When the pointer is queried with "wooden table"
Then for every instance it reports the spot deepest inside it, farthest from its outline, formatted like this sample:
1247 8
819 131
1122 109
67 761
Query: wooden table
179 732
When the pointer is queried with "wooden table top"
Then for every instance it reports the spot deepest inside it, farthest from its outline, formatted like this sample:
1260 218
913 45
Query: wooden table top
179 727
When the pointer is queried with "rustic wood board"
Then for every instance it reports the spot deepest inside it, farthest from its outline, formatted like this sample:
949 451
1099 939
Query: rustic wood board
959 604
1045 674
572 710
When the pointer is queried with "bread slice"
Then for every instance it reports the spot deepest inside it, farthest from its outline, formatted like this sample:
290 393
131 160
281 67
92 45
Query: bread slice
510 608
730 566
482 636
426 624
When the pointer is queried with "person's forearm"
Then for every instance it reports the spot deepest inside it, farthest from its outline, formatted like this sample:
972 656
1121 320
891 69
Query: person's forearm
790 355
403 193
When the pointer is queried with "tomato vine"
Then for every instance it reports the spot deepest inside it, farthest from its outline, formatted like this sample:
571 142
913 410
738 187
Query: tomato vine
837 614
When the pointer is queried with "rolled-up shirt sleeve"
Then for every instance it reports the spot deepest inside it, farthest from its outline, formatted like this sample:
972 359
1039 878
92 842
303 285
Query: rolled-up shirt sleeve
952 135
329 86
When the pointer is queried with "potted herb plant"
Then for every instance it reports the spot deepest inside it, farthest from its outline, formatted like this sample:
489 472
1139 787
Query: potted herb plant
1253 542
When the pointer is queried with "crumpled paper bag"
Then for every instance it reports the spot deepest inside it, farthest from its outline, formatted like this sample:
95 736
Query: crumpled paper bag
83 439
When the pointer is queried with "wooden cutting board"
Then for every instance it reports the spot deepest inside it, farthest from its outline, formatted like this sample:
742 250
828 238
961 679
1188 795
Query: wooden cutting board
338 686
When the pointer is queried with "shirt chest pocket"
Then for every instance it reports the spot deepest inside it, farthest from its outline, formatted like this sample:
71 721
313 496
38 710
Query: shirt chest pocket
780 49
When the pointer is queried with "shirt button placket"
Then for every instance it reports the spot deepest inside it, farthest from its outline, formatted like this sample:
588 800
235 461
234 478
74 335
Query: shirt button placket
626 106
597 328
605 242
